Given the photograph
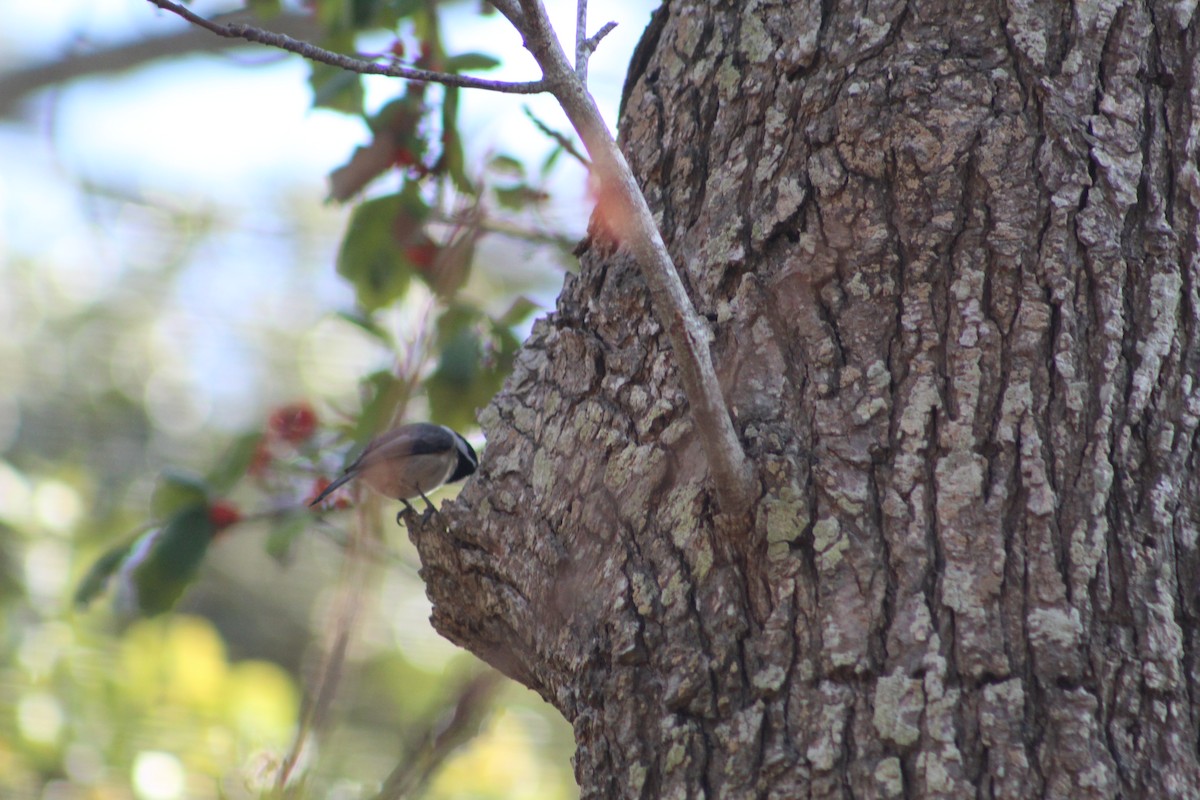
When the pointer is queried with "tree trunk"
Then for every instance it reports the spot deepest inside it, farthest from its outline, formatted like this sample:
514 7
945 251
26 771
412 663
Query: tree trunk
950 256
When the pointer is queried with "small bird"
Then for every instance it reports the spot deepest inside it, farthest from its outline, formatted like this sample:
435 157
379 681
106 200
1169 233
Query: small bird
409 461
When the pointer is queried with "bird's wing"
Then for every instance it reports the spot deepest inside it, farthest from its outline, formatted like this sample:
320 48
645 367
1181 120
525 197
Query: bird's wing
410 440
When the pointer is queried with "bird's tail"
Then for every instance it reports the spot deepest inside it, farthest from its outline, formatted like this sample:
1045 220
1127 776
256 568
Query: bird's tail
331 487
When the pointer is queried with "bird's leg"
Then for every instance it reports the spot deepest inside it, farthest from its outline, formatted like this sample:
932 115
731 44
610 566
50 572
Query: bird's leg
428 505
407 507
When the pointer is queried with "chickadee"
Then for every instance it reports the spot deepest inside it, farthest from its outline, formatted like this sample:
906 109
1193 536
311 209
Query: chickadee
409 461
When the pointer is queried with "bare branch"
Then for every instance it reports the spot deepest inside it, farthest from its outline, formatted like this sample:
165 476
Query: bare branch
563 141
511 11
352 584
443 734
581 56
534 14
348 63
23 81
731 471
584 46
593 42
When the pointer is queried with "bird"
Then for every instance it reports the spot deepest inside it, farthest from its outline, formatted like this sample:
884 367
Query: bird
408 461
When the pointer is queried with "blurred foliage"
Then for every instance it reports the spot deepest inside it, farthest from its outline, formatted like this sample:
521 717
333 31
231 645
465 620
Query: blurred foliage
152 384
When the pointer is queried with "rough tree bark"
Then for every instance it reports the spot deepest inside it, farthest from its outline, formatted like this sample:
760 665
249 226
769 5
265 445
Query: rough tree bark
949 251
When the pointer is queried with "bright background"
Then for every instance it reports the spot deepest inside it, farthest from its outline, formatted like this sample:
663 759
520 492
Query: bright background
166 278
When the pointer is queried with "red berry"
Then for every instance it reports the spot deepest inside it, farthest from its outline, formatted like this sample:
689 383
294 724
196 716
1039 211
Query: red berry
293 423
422 255
404 157
260 462
223 514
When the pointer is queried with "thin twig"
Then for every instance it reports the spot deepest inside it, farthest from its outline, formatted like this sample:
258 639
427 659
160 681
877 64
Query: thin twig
563 141
349 602
593 42
23 80
731 471
513 231
443 734
349 63
581 56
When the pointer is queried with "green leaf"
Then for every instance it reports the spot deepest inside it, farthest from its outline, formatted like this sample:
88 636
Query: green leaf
552 159
476 356
363 13
425 29
386 394
453 158
12 566
518 197
377 14
407 8
96 580
399 117
518 312
177 491
459 362
233 463
447 273
371 255
171 562
471 62
264 9
329 14
454 389
369 326
336 89
282 539
455 319
507 165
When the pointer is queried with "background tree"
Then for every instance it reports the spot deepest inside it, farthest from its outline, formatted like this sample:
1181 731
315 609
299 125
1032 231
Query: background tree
948 252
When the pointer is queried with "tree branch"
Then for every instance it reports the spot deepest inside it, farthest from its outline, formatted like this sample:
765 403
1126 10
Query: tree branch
22 81
563 142
443 734
581 40
352 583
349 63
584 46
687 334
589 47
511 11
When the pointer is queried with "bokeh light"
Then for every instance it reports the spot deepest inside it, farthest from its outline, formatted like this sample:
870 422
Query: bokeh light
158 776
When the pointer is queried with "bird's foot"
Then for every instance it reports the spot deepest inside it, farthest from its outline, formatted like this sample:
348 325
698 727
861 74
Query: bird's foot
429 507
408 509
